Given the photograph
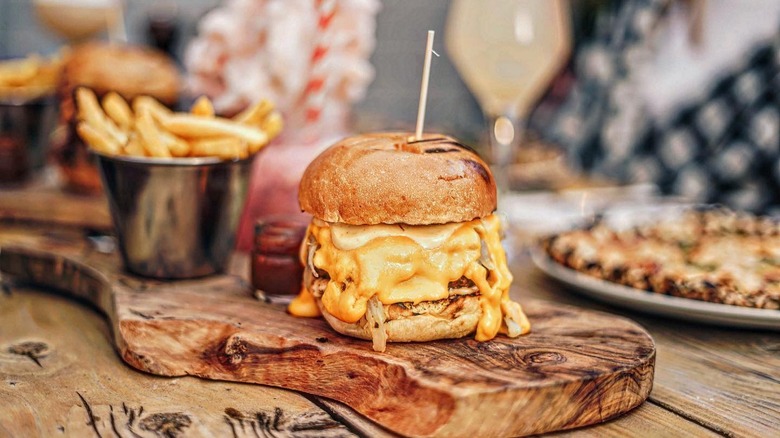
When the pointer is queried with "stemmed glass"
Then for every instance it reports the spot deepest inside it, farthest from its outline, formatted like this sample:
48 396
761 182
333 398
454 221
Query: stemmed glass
507 52
79 20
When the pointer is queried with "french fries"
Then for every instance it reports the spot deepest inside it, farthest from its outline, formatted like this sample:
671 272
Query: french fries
20 71
118 110
89 110
147 103
203 107
148 129
192 126
177 146
272 125
29 78
135 147
98 140
150 136
225 147
255 114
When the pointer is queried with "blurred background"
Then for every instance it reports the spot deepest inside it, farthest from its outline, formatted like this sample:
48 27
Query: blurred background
391 99
666 99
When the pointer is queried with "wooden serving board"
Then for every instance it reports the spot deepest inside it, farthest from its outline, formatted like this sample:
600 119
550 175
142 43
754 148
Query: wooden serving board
577 367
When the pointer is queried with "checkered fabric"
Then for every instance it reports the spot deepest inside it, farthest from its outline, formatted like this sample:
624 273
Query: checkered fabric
723 149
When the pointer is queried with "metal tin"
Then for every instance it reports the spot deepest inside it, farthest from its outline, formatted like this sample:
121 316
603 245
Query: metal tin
175 218
25 127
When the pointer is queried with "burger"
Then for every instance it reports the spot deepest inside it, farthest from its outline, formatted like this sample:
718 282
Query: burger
126 69
404 244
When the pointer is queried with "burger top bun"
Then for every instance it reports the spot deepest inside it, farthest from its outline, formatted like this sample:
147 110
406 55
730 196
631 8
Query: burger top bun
392 178
129 70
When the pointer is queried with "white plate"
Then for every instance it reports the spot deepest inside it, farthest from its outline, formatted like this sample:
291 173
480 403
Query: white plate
650 302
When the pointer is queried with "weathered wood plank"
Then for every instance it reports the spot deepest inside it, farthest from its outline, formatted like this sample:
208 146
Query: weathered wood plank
47 205
648 420
725 379
81 388
574 369
94 366
728 380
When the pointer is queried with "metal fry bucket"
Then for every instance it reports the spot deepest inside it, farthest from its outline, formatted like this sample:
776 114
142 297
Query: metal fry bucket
175 218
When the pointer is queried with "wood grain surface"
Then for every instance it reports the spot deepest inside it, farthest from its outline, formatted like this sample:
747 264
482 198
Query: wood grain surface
576 368
50 205
708 380
726 380
43 400
82 389
740 384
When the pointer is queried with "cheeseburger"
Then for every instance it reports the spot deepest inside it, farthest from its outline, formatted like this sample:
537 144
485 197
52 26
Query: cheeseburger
404 245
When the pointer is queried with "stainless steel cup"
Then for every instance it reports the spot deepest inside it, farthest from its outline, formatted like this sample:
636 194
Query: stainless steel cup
175 218
25 128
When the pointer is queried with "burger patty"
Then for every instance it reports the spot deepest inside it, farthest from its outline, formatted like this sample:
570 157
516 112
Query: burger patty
461 283
449 307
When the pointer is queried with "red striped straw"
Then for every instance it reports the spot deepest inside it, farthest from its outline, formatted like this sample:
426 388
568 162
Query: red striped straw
319 86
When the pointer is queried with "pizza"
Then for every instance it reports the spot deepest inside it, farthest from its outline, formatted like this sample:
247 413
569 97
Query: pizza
711 254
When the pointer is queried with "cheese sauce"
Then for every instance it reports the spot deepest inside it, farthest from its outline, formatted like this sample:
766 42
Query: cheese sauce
348 237
409 264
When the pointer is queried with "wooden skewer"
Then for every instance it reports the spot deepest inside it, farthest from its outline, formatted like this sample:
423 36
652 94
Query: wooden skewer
424 86
115 19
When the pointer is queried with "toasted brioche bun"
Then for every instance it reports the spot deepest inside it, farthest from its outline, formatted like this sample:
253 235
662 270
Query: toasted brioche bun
417 328
390 178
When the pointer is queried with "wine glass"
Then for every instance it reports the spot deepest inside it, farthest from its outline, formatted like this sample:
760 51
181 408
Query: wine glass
79 20
507 52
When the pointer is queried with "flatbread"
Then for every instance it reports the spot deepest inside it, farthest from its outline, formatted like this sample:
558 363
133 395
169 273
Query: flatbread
714 255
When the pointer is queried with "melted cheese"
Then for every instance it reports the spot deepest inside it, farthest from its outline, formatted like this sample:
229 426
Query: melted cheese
304 305
410 264
348 237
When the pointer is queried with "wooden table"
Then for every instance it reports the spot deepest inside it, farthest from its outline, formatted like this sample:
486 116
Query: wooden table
59 374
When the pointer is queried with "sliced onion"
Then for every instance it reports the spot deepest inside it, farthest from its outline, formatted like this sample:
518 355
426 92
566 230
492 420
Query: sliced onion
376 323
513 329
307 279
484 258
516 321
313 246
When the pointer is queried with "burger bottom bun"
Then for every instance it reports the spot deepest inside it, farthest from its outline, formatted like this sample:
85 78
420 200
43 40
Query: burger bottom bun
417 328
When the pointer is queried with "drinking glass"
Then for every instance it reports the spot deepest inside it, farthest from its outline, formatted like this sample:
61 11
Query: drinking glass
507 52
79 20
